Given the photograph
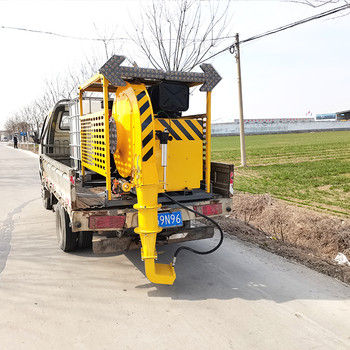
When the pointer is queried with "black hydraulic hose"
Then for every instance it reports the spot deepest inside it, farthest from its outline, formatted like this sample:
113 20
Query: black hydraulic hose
191 249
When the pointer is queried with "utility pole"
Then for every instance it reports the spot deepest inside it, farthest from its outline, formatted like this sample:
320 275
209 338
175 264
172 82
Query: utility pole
240 99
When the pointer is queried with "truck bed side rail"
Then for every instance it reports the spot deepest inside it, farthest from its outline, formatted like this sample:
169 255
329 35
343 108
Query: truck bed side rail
60 180
222 178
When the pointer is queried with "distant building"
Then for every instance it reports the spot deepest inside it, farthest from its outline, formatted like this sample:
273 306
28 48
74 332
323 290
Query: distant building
338 116
4 135
345 115
326 117
329 122
276 120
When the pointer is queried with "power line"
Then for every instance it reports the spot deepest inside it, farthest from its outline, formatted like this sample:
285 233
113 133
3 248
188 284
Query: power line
280 29
61 35
255 37
291 25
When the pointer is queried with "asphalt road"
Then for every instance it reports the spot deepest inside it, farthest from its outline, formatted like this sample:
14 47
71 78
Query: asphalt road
240 297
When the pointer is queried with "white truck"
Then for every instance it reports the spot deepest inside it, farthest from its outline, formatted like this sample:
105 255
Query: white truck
101 207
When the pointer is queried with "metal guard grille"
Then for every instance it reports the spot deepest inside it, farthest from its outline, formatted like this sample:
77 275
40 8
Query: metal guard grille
93 142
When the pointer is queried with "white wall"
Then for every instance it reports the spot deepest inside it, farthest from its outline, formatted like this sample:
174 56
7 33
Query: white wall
267 128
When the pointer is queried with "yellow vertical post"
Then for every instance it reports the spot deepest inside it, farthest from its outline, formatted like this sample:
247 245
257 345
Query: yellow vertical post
208 144
106 138
81 113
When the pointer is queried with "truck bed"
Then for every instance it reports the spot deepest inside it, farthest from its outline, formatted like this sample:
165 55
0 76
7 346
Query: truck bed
62 181
68 188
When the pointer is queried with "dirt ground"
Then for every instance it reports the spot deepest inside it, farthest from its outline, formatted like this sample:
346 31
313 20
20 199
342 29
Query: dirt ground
311 238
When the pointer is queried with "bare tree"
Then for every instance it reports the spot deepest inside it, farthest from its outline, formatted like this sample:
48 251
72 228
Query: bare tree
19 122
65 85
28 119
36 117
107 38
180 35
10 126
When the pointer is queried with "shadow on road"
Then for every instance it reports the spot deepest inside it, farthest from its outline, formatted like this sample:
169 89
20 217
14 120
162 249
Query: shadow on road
238 271
6 230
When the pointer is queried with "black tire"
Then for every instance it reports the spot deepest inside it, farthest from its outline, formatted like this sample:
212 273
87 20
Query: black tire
46 196
67 240
85 239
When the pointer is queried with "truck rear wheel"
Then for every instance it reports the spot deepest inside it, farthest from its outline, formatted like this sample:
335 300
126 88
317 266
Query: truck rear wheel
67 240
46 196
85 239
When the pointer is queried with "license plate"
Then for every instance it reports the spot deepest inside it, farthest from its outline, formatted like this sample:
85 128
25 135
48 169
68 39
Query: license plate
170 219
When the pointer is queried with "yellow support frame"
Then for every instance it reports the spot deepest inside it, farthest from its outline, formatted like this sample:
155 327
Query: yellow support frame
208 144
99 157
97 78
105 83
98 83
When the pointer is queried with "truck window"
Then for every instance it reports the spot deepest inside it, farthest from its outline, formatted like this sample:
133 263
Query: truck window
64 122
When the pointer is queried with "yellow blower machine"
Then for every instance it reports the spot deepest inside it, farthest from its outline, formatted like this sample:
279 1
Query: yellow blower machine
153 147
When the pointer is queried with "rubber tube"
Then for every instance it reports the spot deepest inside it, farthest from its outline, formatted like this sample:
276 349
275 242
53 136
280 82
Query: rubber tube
191 249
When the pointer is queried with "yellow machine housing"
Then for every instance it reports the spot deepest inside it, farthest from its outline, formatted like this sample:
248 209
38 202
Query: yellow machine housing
185 153
185 145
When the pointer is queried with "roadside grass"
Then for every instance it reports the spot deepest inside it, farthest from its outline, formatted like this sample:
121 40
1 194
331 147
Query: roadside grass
311 169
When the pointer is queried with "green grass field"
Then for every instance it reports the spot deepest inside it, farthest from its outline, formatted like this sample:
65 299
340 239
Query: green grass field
311 169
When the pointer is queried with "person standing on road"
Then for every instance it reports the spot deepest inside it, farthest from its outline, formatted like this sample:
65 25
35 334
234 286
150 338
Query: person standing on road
15 142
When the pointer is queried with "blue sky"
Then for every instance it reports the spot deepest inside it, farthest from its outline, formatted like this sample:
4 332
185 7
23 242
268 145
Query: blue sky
303 69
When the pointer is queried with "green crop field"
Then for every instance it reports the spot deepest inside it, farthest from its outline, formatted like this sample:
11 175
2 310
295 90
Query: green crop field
311 169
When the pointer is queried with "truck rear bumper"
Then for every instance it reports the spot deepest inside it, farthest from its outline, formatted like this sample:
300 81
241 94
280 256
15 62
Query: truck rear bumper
104 244
123 219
